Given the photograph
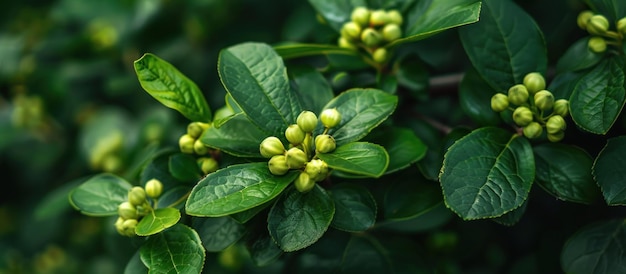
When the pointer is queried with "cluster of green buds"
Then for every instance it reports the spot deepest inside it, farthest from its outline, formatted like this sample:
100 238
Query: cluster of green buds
137 206
535 108
303 148
106 155
599 27
190 143
371 30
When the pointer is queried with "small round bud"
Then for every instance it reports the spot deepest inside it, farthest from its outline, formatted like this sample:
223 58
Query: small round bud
271 146
351 31
522 116
378 18
294 134
597 44
304 183
561 107
344 43
371 37
597 25
119 224
317 169
127 211
555 137
360 15
186 143
307 121
112 163
534 82
278 165
391 32
154 188
330 117
518 94
199 147
324 143
532 130
137 196
195 129
395 17
207 165
128 227
621 26
555 124
499 102
583 18
544 100
380 55
296 158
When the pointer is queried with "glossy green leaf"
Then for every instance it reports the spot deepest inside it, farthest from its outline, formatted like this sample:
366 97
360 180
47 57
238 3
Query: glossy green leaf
596 248
360 158
505 44
564 84
355 207
237 136
612 9
407 199
487 173
609 172
263 250
176 250
100 195
599 97
361 111
135 266
365 255
475 99
578 57
157 221
172 88
312 87
511 218
174 197
184 167
235 189
403 147
218 233
298 220
336 12
296 50
246 215
256 78
158 168
565 172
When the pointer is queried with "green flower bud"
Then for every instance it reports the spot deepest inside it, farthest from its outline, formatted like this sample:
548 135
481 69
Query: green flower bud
324 143
378 18
128 227
271 146
278 165
351 31
555 137
154 188
371 37
583 18
522 116
127 211
307 121
119 225
296 158
304 183
499 102
534 82
317 169
518 94
195 129
199 147
207 165
360 15
391 32
111 163
544 100
395 17
294 134
597 44
344 43
597 25
186 143
561 107
330 117
555 124
137 196
380 55
532 130
621 26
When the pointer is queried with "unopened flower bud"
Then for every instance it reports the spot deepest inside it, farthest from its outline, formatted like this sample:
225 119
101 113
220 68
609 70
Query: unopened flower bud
128 227
271 146
583 18
532 130
534 82
294 134
127 211
324 143
195 129
154 188
304 183
351 31
597 25
378 18
597 44
360 15
344 43
307 121
522 116
278 165
391 32
561 107
555 137
207 165
137 196
186 143
555 124
317 169
499 102
296 158
330 117
199 147
544 100
395 17
621 26
371 37
518 94
119 224
380 55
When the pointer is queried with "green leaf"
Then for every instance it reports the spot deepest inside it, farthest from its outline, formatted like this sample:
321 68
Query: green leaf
336 12
413 75
263 250
256 78
365 255
505 44
173 196
511 218
296 50
237 136
403 147
218 233
235 189
578 57
599 97
54 203
475 99
361 111
487 173
100 195
172 88
135 266
355 207
312 87
176 250
596 248
608 170
184 167
565 172
360 158
246 215
407 199
157 221
612 9
298 220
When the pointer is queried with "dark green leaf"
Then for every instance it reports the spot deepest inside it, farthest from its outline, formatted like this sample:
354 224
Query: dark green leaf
135 266
263 250
413 75
218 233
295 50
157 221
512 217
609 172
358 158
184 167
487 173
312 87
612 9
475 99
55 202
564 84
336 12
387 83
246 215
578 57
403 147
158 168
236 136
174 197
596 248
355 207
407 199
235 189
100 195
172 88
176 250
365 255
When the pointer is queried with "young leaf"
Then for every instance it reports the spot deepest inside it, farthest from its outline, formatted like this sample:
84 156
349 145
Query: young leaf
599 96
360 158
172 88
578 57
487 173
403 147
176 250
312 87
237 136
295 50
355 207
298 220
609 172
235 189
100 195
218 233
505 44
336 12
596 248
184 167
256 78
157 221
